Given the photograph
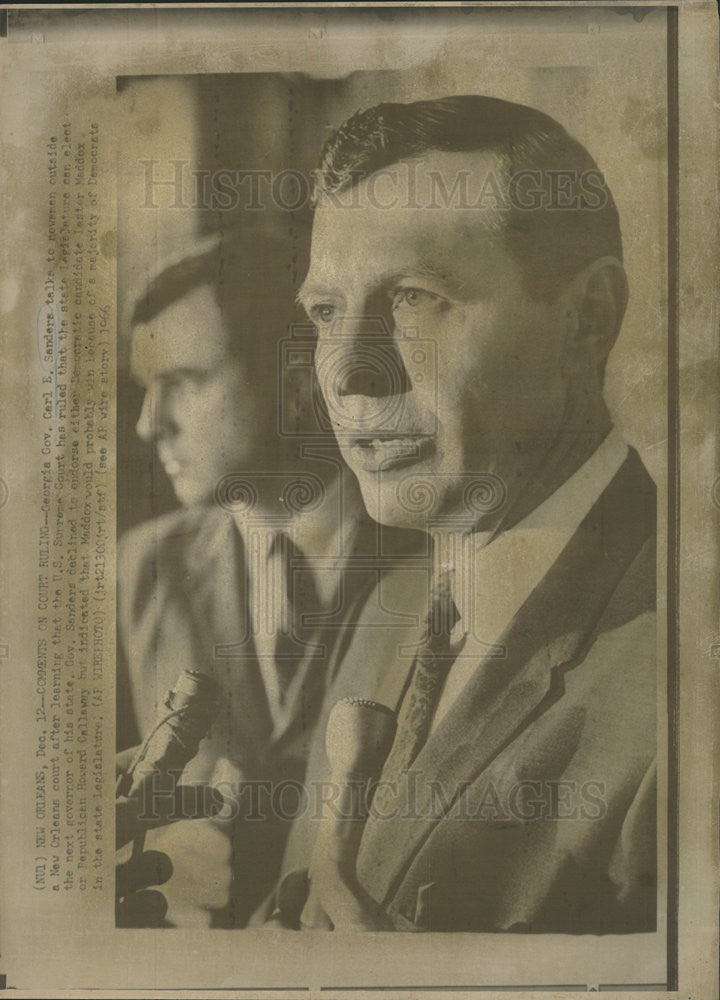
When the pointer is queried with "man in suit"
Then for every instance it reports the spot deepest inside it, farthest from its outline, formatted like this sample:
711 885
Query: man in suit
246 583
519 791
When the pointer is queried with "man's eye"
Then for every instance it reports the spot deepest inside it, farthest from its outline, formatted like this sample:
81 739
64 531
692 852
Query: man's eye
323 313
189 378
413 298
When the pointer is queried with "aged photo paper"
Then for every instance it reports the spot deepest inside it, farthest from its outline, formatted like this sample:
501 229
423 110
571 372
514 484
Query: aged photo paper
359 500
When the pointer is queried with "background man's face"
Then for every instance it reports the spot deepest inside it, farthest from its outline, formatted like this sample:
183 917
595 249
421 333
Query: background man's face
204 412
387 285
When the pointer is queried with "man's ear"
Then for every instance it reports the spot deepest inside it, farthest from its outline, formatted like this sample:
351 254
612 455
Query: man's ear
595 303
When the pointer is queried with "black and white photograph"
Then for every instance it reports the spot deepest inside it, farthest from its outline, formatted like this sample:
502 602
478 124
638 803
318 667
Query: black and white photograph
370 500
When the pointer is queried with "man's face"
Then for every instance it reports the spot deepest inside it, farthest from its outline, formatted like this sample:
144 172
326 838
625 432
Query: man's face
202 411
435 364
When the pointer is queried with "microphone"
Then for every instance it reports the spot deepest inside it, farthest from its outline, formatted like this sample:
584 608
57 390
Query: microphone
190 708
358 739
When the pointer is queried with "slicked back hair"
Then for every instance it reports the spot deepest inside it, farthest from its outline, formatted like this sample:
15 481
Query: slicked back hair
249 277
553 226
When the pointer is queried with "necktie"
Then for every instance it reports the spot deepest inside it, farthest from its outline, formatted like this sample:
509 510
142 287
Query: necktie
432 663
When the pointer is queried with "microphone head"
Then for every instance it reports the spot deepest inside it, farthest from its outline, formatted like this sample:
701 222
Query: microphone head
359 736
198 696
183 721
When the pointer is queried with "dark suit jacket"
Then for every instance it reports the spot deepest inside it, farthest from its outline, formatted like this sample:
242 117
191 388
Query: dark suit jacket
532 805
182 605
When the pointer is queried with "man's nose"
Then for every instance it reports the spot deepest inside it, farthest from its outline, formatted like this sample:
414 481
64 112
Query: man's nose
365 359
154 419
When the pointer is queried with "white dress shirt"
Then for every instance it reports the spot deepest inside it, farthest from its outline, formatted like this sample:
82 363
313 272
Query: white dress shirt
324 538
493 579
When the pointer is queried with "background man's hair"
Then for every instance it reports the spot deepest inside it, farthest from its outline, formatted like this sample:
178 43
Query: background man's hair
249 275
551 243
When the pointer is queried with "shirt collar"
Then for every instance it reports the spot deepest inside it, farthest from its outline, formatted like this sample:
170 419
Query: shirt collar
494 576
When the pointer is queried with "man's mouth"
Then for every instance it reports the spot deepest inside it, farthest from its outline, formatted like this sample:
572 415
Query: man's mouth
380 452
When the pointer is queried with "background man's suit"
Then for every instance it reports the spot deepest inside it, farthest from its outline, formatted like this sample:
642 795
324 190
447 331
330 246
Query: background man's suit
183 604
532 805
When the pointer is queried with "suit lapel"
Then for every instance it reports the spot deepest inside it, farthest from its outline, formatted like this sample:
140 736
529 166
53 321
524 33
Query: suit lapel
216 587
548 636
